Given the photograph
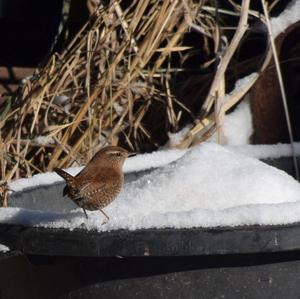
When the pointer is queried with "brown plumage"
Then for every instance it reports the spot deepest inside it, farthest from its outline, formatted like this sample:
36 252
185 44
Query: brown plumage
99 182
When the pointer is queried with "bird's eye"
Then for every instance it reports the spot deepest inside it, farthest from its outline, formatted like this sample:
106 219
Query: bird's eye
118 154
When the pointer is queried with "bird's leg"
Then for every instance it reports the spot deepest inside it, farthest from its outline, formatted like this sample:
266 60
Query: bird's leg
86 215
107 218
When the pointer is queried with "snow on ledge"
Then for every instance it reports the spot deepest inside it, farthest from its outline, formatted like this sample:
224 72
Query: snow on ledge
159 159
266 151
134 164
209 186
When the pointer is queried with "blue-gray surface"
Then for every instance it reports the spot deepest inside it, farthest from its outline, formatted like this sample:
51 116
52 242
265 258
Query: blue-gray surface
49 197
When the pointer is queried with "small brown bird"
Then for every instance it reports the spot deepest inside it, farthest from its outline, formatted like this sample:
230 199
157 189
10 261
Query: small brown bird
99 182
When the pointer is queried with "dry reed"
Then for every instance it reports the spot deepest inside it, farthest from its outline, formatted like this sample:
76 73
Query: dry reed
113 77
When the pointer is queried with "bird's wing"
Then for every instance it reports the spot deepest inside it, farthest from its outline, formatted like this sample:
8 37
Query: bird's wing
93 186
90 186
101 180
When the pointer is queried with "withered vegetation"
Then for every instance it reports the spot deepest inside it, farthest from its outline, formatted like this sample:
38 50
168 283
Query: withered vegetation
128 77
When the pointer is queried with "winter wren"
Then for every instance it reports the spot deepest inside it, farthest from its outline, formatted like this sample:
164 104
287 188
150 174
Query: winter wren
99 182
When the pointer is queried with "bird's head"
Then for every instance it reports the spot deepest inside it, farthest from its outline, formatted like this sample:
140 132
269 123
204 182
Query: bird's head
111 155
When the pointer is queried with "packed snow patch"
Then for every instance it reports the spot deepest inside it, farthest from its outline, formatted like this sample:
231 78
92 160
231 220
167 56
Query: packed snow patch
3 248
288 17
266 151
209 186
162 158
238 126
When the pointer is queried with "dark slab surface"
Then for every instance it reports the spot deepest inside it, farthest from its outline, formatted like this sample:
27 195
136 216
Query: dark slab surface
241 262
262 281
150 242
271 275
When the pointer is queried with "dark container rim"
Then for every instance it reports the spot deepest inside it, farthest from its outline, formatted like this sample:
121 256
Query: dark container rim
154 241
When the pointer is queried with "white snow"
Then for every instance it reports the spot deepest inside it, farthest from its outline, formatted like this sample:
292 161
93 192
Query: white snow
177 138
265 151
47 178
60 99
3 248
159 159
240 85
137 163
238 126
209 186
44 140
152 160
289 16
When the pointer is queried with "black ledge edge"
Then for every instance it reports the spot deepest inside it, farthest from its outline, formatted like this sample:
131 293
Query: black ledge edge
150 242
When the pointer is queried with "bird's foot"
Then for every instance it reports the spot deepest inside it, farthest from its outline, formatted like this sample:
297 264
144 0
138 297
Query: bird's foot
107 218
85 213
104 222
83 225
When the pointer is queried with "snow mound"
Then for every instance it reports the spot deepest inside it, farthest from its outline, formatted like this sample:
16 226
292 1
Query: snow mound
134 164
209 186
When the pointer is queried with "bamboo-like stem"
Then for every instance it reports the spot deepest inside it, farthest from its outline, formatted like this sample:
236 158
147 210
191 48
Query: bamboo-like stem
282 89
241 29
116 78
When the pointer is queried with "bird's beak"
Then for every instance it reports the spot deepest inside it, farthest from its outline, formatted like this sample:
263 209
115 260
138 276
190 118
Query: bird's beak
132 154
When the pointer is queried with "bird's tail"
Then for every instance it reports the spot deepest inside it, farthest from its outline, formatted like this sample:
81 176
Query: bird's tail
70 180
66 176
